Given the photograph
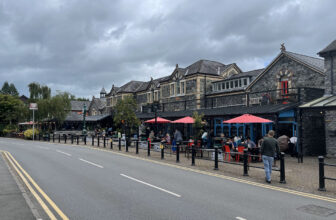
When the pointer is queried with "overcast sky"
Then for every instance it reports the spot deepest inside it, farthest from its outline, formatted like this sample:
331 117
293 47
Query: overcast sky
80 46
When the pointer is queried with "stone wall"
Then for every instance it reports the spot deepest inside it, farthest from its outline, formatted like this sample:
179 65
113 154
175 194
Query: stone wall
165 91
228 100
302 76
327 65
191 86
330 130
313 132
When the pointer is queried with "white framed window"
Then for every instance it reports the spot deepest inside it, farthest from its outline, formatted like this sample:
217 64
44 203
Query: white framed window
172 89
183 87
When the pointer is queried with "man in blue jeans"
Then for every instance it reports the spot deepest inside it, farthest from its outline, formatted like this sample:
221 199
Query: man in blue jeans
269 148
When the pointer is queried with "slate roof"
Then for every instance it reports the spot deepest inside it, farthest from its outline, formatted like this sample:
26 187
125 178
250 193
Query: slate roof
313 62
74 116
143 86
78 105
232 111
325 101
98 103
331 47
103 91
204 66
113 87
131 86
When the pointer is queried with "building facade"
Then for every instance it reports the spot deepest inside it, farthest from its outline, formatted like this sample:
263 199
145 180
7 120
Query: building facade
222 91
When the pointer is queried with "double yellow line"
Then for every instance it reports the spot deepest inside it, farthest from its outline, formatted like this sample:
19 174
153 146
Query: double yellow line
31 184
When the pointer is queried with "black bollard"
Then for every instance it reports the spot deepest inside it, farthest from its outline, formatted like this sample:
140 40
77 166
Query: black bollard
177 152
245 157
321 174
111 143
65 138
59 138
71 139
148 148
119 143
104 142
282 168
193 153
53 137
216 158
98 138
126 145
77 139
92 140
137 147
162 151
85 139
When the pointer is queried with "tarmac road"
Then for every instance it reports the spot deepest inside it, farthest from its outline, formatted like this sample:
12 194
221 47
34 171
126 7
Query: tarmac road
90 184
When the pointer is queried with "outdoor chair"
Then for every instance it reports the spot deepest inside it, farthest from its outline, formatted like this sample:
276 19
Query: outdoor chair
227 152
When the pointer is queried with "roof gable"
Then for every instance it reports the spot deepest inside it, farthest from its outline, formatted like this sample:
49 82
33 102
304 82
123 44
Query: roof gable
310 62
330 48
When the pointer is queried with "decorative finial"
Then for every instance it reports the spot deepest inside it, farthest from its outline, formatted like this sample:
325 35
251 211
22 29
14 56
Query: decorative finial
151 78
176 65
283 48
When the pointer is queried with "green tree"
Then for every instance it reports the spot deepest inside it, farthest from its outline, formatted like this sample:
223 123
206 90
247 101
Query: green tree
5 90
198 125
45 92
54 108
12 110
13 90
125 115
9 89
34 90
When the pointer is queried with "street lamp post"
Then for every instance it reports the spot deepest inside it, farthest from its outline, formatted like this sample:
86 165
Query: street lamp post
84 114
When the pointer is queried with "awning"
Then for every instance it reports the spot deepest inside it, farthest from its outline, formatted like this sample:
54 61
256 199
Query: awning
324 101
185 120
247 118
27 123
158 120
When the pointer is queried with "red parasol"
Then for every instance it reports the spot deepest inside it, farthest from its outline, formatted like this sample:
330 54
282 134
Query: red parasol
185 120
247 118
158 120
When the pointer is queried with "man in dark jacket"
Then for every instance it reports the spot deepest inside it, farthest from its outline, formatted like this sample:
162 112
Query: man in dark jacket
268 150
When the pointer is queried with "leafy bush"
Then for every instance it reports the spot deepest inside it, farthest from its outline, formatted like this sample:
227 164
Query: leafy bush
28 134
9 129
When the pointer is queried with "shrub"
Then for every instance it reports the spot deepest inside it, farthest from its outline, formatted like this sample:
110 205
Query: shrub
28 134
9 129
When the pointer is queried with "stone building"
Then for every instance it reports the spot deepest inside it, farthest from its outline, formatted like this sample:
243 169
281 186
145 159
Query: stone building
320 114
222 92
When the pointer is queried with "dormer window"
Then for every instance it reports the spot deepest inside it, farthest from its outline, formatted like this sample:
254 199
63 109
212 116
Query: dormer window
245 82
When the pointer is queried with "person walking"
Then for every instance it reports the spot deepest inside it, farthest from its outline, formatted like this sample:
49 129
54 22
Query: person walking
269 148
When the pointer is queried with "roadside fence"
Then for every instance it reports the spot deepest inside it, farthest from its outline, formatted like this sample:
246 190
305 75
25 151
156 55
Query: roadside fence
322 177
217 155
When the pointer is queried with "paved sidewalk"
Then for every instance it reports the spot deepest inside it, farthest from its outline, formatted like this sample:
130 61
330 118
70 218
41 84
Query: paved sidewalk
12 203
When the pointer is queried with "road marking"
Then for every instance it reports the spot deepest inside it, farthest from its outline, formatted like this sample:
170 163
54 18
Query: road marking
63 153
240 218
148 184
94 164
45 196
235 179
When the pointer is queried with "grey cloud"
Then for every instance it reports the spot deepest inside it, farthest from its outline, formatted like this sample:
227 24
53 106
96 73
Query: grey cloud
80 46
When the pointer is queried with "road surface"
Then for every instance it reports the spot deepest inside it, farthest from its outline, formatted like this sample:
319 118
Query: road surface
91 184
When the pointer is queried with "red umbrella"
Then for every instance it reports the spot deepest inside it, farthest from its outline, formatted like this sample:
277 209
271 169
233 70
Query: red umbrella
247 118
158 120
185 120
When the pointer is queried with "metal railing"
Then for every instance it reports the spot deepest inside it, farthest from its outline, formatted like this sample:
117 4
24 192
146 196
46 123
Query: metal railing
322 177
